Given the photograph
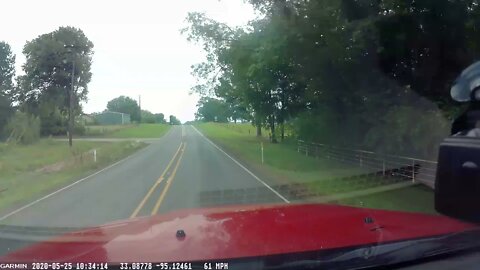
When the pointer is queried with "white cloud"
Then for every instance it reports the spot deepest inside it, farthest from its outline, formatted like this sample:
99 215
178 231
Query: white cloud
138 46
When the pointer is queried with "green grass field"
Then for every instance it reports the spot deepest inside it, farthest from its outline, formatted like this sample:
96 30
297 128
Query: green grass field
128 131
286 165
30 171
417 198
284 158
102 131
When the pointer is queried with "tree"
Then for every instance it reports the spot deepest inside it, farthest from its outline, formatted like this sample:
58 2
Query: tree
160 118
174 120
46 86
225 73
126 105
148 117
212 110
425 44
245 69
6 112
7 71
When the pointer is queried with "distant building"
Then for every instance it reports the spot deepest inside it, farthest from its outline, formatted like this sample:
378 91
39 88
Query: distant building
112 118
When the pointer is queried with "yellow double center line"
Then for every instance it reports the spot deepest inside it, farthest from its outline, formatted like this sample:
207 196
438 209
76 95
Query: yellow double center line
160 179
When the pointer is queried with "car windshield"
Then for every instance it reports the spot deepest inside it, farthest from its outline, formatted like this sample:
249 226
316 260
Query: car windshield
220 118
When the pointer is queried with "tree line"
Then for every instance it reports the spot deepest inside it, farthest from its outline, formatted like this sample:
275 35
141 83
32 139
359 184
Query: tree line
369 73
130 106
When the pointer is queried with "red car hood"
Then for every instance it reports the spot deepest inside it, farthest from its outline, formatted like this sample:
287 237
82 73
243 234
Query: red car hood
235 232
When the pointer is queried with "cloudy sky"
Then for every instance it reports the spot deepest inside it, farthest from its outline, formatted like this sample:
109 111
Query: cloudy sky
138 46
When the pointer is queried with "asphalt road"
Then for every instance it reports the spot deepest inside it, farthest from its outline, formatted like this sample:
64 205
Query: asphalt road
183 169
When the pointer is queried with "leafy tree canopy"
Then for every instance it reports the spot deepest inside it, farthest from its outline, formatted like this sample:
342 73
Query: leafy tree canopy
51 60
126 105
332 67
174 121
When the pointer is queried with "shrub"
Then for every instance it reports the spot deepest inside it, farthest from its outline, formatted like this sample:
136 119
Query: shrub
79 129
409 130
23 128
406 130
6 112
326 126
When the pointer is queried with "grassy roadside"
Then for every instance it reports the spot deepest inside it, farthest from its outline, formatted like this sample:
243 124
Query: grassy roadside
417 198
283 163
29 171
283 158
104 131
128 131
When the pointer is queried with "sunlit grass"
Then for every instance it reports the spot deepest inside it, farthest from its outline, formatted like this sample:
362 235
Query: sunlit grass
128 131
19 158
29 171
104 130
416 198
281 158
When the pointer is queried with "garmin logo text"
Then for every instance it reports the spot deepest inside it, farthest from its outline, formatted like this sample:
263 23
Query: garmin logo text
13 266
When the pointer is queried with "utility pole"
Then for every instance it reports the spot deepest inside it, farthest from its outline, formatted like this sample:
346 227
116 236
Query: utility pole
70 107
71 97
140 109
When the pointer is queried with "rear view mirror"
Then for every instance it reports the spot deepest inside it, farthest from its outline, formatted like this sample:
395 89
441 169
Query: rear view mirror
464 86
457 182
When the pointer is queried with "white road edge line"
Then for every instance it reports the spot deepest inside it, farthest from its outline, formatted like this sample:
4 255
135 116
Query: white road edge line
69 186
243 167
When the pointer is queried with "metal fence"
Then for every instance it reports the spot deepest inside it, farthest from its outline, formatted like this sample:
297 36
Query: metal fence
414 169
